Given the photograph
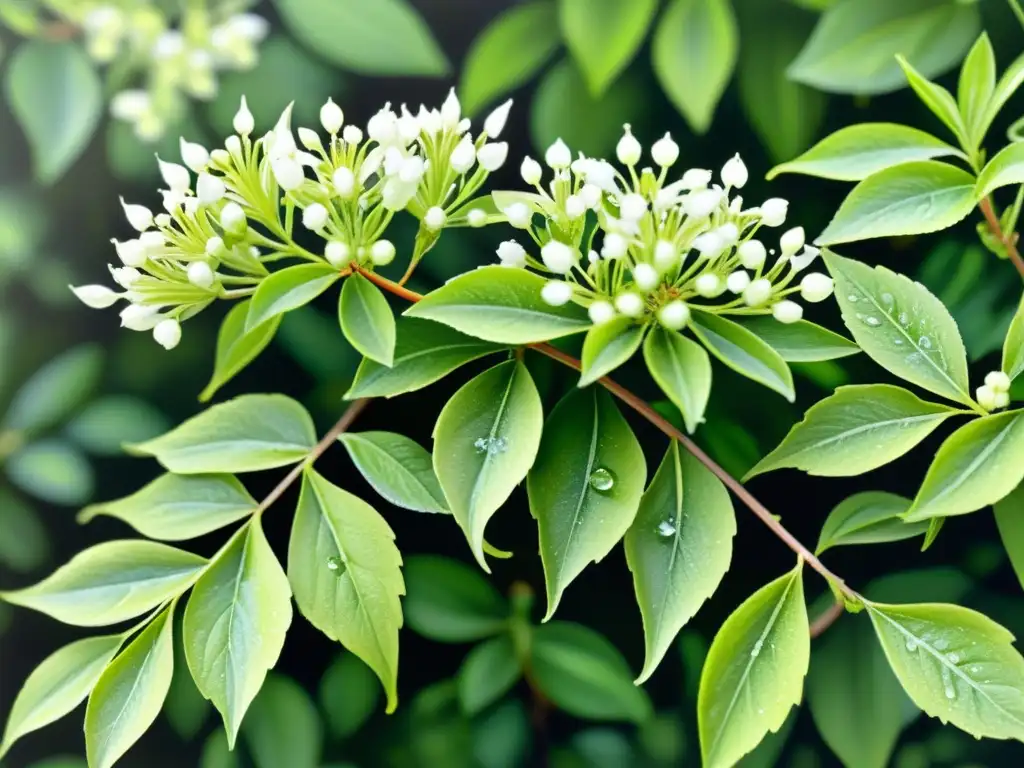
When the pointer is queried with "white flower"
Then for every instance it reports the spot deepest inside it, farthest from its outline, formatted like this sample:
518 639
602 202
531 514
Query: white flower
614 246
124 276
773 212
816 287
708 285
314 217
695 178
752 254
998 381
519 215
451 111
215 247
728 233
674 315
344 182
787 311
494 123
352 134
430 120
734 172
737 282
632 207
209 189
665 254
477 217
804 260
338 253
558 257
558 155
709 245
233 145
382 253
591 195
408 127
243 122
664 151
757 293
152 244
193 155
630 304
167 333
95 296
463 156
435 219
556 293
792 240
200 274
131 252
628 150
232 218
601 312
176 176
512 254
531 171
288 173
700 203
331 117
139 216
137 317
383 126
986 397
645 276
601 174
493 156
310 140
575 207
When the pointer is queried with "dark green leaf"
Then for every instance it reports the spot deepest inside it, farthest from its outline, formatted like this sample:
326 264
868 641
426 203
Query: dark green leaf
55 390
283 726
604 35
348 694
869 517
105 425
451 602
607 346
236 348
488 673
744 352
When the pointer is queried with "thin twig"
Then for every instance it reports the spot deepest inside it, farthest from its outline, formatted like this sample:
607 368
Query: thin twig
827 619
1008 240
1015 7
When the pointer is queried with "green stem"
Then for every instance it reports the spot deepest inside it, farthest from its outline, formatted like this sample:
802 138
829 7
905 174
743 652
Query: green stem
1017 11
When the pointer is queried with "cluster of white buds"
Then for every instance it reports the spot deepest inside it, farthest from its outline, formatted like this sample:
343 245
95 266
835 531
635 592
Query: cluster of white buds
995 392
657 248
175 62
230 212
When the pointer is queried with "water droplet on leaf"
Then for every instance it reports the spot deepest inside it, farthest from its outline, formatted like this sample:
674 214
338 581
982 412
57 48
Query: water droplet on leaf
873 321
336 565
490 445
602 480
924 342
911 645
666 528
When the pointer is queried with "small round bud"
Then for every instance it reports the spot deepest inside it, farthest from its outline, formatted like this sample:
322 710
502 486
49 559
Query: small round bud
708 285
331 117
215 247
352 134
344 182
1002 399
709 245
591 195
167 333
558 257
519 215
477 217
601 312
628 150
233 145
137 317
232 219
200 274
986 397
558 156
243 122
139 216
630 304
162 220
463 156
665 254
998 380
492 156
531 171
792 240
556 293
451 111
674 315
816 287
210 189
787 311
701 203
645 276
152 244
435 219
734 172
615 246
95 296
494 123
382 253
512 254
728 233
220 157
757 293
695 179
632 207
737 282
193 155
773 212
338 254
664 151
752 254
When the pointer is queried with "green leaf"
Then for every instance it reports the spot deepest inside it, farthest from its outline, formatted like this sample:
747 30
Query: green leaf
488 673
24 543
346 573
235 623
105 425
283 726
582 673
857 703
937 99
868 517
607 346
371 37
976 466
754 671
53 471
424 353
58 685
185 709
585 486
908 199
485 440
955 664
217 753
693 53
247 434
902 327
502 305
1013 346
678 548
510 51
129 694
856 429
744 352
1006 87
175 508
802 341
853 47
451 602
366 319
398 468
111 582
348 695
286 290
55 390
975 87
858 151
682 368
236 348
604 36
1009 512
56 95
1006 168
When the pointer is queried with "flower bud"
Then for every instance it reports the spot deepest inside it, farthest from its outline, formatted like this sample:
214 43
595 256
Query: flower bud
804 260
630 304
476 218
1002 399
519 215
615 246
632 207
787 311
512 254
493 156
601 312
338 254
215 247
382 253
167 333
435 219
986 397
645 276
344 182
998 381
752 254
531 171
193 155
310 140
331 117
288 173
665 254
352 134
556 293
137 317
463 156
243 121
200 274
758 292
451 111
176 176
773 212
701 203
628 150
734 172
494 123
95 296
664 151
132 253
674 315
709 245
737 282
792 240
126 277
591 196
574 207
139 216
558 257
314 217
232 219
708 285
220 157
816 287
209 189
695 178
558 155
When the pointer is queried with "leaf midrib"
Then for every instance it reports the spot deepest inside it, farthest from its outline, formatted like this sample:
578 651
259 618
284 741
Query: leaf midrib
499 417
850 433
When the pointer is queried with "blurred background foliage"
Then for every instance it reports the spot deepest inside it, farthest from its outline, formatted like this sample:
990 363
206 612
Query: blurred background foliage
766 78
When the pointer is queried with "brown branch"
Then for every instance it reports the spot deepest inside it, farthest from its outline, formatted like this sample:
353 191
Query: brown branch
1007 239
827 619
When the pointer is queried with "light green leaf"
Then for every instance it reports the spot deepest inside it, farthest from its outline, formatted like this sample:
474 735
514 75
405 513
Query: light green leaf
111 582
52 470
510 51
1009 512
744 352
937 99
754 671
853 47
1013 346
236 348
175 508
235 623
902 327
607 346
130 693
372 37
424 353
682 368
485 440
1006 87
58 685
955 664
976 466
346 573
604 35
286 290
247 434
488 673
858 151
283 726
694 52
1006 168
55 93
348 695
366 319
975 87
869 517
802 341
502 305
855 430
106 424
908 199
399 469
55 390
678 548
585 486
451 602
580 672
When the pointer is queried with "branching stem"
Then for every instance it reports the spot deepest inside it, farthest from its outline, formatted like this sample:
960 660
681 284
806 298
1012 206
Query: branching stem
1008 239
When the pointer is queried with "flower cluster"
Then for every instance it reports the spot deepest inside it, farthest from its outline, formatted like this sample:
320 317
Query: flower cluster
175 62
995 392
626 242
221 229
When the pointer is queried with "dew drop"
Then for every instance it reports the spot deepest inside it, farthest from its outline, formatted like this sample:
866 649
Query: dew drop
873 321
904 319
336 565
756 650
911 645
853 298
602 480
924 342
898 342
490 445
666 528
887 299
947 683
954 658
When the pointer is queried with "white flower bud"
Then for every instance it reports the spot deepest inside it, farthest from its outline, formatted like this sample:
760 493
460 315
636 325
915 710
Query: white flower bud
709 245
314 217
804 260
708 285
519 215
752 254
492 156
512 254
233 145
176 176
556 293
338 254
494 123
220 157
645 276
630 304
139 216
701 203
126 277
773 212
591 196
674 315
792 240
344 182
816 287
95 296
734 172
695 178
408 127
728 233
209 189
737 282
463 156
632 207
558 257
136 317
167 333
476 218
331 117
1002 399
986 397
232 219
310 140
602 175
215 247
575 207
132 253
998 380
352 134
558 155
531 171
787 311
288 173
664 151
665 254
614 246
200 274
628 150
193 155
382 253
435 219
758 292
601 312
451 111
